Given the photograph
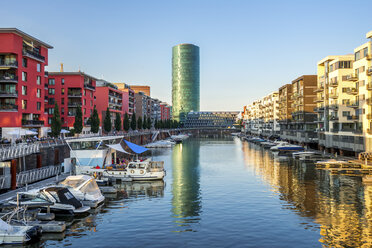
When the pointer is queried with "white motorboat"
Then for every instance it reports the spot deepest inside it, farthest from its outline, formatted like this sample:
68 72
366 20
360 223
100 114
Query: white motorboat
160 144
286 147
10 234
146 170
85 189
64 202
179 138
302 154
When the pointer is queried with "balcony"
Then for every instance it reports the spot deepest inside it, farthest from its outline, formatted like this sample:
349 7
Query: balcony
89 87
320 99
45 98
335 130
32 123
33 55
353 117
369 116
369 71
74 94
369 131
352 77
8 93
368 56
74 104
369 101
353 104
351 91
45 86
8 107
333 95
333 106
319 109
333 84
9 79
333 118
319 89
8 65
46 74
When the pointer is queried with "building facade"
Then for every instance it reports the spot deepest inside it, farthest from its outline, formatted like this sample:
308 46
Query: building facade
185 80
165 111
210 119
22 78
141 88
129 106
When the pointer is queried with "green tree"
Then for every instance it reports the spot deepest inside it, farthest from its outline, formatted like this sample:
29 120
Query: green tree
133 123
139 123
149 123
56 124
126 122
78 124
117 122
144 123
107 121
94 121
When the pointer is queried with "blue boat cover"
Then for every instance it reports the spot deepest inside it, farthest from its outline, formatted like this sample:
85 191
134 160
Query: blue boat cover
135 148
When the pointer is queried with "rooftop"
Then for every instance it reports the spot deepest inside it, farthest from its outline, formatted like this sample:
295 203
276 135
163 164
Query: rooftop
71 73
24 35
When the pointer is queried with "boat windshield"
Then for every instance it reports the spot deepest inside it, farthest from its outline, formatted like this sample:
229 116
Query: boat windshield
132 166
141 166
73 183
91 188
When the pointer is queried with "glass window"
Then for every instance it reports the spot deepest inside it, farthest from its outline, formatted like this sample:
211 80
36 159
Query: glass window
24 76
24 62
38 80
51 91
51 101
62 111
62 100
50 120
38 67
357 55
38 105
24 104
345 113
24 90
365 52
62 81
52 81
63 91
38 93
51 111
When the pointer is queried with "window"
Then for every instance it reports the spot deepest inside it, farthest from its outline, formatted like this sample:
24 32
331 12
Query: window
24 76
24 90
365 52
51 111
52 81
38 80
85 102
24 62
63 120
357 55
91 94
51 101
91 103
85 111
38 93
62 111
38 67
51 91
62 91
345 113
63 81
24 104
50 120
62 100
85 92
38 106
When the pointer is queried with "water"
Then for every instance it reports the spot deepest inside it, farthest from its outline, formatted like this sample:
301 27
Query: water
229 193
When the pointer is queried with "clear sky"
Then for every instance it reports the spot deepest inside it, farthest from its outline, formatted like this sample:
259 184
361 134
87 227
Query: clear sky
248 48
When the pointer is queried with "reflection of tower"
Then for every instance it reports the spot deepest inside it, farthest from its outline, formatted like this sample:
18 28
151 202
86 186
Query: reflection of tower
186 185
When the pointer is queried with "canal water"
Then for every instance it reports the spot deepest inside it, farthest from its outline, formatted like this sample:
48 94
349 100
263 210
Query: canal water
229 193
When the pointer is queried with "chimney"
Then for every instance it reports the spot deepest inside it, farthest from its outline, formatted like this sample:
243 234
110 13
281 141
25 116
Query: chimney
61 67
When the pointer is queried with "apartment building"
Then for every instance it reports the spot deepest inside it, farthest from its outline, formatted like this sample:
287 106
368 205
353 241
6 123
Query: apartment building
109 96
339 106
129 106
165 111
71 90
301 126
142 104
22 78
285 113
270 125
141 88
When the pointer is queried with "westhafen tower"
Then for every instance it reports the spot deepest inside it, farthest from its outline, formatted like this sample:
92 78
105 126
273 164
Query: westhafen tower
185 80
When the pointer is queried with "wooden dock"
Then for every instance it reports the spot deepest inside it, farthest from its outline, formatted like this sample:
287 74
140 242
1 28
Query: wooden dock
346 167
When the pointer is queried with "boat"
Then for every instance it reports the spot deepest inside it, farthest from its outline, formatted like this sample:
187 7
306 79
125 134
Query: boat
63 202
12 235
302 154
308 156
267 144
286 147
85 189
179 138
161 144
146 170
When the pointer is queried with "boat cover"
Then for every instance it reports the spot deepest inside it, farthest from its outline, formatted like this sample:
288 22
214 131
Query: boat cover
118 147
64 196
5 227
135 148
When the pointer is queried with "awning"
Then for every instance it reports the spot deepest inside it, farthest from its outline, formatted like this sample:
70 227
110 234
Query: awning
118 147
135 148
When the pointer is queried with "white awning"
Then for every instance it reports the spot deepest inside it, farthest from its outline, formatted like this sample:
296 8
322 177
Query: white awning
118 147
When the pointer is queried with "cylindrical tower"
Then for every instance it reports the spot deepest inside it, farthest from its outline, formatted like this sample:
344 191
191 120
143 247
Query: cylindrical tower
185 80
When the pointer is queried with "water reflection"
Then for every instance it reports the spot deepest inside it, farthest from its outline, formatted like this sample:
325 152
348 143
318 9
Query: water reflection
186 201
340 206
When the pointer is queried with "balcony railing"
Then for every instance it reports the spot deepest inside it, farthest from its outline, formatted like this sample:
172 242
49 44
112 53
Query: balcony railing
9 79
351 91
333 118
13 64
353 104
89 86
74 104
8 107
74 94
33 55
32 123
333 84
45 98
369 116
333 106
333 95
335 130
369 71
319 89
45 86
369 56
353 117
8 93
352 77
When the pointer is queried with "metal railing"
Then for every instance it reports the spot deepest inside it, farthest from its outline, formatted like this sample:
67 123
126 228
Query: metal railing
17 151
34 175
32 123
33 54
9 64
11 78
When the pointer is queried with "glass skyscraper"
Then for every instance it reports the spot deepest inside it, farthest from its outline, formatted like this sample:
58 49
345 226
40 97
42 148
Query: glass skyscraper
185 80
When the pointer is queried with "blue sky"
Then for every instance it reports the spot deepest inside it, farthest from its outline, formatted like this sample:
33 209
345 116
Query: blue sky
247 48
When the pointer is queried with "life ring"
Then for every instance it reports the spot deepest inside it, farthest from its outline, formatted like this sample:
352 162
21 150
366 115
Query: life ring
141 171
132 171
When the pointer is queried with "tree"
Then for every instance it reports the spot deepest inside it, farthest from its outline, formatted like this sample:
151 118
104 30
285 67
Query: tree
139 123
144 123
117 122
107 121
78 124
126 122
56 124
149 123
94 122
133 123
156 124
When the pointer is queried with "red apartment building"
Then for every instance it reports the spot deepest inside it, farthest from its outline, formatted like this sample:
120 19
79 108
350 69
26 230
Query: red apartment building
71 90
108 95
129 106
165 111
22 78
